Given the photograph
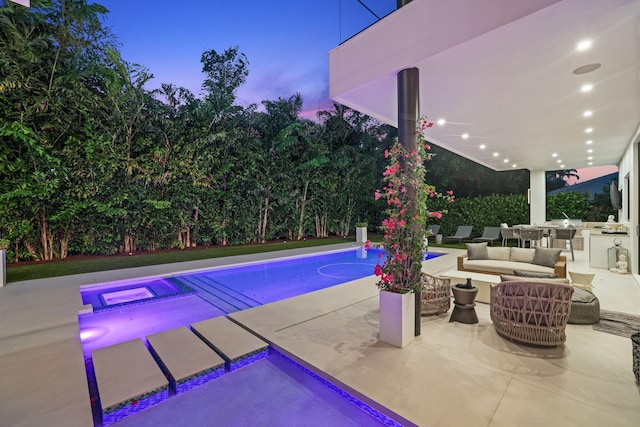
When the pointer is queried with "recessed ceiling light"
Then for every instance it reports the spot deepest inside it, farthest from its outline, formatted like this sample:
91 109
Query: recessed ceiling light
562 166
590 158
496 154
586 88
590 163
584 45
588 113
441 122
559 161
588 130
587 68
465 136
483 146
589 142
506 160
590 150
514 165
554 155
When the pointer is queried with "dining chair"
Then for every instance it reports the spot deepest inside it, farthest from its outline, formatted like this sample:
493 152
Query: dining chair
566 234
533 235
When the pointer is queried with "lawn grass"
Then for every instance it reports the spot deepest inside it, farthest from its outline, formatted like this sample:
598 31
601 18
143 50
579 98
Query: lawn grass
19 273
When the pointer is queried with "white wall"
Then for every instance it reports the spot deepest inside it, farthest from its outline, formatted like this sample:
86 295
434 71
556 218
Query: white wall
629 167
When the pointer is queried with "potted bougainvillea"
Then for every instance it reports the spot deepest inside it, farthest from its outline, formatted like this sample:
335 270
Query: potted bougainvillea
406 194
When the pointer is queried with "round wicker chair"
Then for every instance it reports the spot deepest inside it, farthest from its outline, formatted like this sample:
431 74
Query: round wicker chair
436 295
531 312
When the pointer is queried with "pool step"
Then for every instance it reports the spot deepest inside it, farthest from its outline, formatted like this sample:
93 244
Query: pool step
128 379
186 360
217 294
237 346
131 377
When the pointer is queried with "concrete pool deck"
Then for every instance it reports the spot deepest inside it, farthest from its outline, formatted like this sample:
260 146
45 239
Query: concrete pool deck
453 374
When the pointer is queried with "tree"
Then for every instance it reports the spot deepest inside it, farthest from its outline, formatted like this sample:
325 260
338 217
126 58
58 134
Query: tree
558 178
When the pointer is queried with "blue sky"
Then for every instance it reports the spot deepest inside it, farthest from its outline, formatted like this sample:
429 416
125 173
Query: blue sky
286 41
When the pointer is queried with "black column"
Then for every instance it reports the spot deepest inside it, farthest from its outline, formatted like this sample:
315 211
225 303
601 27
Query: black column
408 116
408 107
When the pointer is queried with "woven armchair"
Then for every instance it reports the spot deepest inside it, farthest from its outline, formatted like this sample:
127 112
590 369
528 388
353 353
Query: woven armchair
531 312
436 294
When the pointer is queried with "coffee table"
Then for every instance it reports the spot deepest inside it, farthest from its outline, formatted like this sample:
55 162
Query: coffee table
481 281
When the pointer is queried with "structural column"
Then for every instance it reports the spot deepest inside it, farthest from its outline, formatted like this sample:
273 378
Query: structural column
400 3
408 107
537 197
408 116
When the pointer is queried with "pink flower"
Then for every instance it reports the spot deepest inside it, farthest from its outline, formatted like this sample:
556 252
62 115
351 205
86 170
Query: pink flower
377 270
367 245
377 194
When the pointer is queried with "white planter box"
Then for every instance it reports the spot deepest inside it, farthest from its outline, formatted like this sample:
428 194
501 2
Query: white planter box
361 234
397 318
3 268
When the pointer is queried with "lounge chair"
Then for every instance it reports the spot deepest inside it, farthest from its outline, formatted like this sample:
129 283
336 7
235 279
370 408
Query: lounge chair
462 233
489 234
432 230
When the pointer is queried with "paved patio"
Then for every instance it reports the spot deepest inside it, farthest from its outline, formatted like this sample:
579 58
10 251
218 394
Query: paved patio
453 374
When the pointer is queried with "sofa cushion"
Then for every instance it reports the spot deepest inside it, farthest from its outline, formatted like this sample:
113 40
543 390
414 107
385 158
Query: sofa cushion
522 273
503 267
522 255
477 251
499 253
546 256
508 278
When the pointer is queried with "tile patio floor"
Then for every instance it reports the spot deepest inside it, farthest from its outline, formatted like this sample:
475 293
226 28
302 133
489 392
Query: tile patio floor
452 375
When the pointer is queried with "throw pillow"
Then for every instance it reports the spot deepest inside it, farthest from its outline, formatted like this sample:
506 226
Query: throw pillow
581 280
507 278
477 251
522 255
522 273
501 254
546 256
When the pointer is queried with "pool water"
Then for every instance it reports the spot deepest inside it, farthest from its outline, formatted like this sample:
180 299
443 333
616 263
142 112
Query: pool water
124 311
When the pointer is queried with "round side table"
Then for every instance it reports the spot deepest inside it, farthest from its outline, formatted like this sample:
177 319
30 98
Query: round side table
464 305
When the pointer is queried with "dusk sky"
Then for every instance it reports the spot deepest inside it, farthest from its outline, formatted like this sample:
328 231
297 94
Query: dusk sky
286 42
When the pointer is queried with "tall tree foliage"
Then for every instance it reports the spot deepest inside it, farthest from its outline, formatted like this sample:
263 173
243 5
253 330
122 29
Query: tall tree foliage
93 162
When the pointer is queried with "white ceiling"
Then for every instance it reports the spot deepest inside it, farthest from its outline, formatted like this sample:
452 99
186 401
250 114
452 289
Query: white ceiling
502 71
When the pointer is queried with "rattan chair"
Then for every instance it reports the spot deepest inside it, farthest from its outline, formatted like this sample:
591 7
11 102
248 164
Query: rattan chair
531 312
436 295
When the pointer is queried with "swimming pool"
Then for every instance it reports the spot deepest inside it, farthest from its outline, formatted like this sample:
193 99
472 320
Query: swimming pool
234 288
134 309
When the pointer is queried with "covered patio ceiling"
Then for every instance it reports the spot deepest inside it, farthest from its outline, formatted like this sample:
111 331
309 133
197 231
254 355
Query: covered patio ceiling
507 74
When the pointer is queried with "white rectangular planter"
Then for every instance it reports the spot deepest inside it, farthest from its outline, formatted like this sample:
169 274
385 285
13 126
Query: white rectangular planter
3 268
361 234
397 318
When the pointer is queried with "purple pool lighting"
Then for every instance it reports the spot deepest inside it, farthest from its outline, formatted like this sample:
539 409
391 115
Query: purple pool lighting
110 295
128 295
216 292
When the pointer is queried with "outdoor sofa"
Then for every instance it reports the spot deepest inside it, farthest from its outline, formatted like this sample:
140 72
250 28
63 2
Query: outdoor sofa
506 260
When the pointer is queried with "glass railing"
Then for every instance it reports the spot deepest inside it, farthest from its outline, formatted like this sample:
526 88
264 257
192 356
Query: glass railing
357 15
